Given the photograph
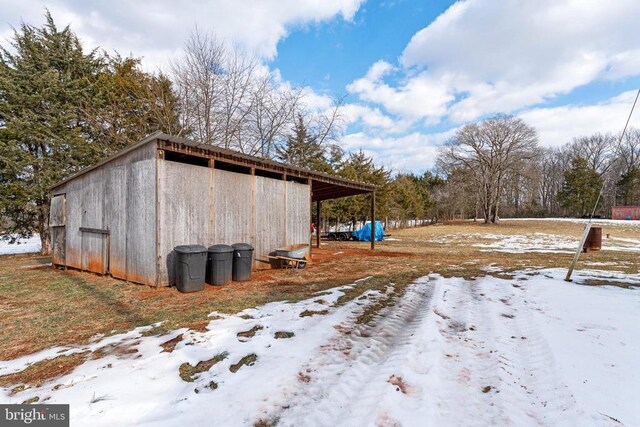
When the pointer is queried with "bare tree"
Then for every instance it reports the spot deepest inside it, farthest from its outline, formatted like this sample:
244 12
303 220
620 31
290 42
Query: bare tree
597 149
199 80
273 113
628 151
227 99
491 149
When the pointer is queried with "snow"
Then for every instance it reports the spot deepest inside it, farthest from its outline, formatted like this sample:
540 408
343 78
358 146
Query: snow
581 221
529 350
536 242
20 245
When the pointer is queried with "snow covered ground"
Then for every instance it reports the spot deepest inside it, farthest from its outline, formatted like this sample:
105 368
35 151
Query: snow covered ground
581 221
529 350
20 245
535 242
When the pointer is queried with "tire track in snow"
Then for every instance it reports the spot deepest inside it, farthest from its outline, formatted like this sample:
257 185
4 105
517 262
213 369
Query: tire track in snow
523 375
344 368
472 335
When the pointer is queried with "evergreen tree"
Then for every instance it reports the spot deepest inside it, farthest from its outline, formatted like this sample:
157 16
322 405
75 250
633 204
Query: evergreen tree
581 187
44 87
303 149
629 187
62 110
360 167
127 104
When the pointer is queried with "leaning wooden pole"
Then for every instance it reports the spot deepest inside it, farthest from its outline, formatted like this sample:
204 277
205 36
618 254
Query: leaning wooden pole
373 220
593 212
585 233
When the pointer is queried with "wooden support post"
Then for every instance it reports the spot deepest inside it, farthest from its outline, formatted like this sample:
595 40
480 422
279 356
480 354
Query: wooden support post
585 233
310 184
373 220
318 219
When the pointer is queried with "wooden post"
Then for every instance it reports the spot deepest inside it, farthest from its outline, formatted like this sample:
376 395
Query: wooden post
310 184
318 219
373 220
585 233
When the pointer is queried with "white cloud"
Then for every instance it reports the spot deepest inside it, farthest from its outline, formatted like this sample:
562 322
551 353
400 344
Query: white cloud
373 118
157 30
486 56
421 96
415 152
559 125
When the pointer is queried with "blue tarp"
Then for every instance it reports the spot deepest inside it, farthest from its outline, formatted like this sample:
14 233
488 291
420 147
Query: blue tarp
364 234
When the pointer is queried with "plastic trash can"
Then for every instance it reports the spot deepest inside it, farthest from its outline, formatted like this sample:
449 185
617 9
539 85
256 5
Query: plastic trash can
242 261
219 264
191 267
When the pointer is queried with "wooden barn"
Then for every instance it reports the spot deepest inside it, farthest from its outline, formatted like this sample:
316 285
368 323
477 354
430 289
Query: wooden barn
124 215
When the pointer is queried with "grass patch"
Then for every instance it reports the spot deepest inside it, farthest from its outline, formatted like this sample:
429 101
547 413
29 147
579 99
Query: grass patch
267 422
248 360
608 282
250 333
284 335
39 372
309 313
389 299
17 389
189 373
169 346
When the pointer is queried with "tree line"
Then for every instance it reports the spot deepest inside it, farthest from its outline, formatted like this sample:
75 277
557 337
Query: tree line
62 109
496 167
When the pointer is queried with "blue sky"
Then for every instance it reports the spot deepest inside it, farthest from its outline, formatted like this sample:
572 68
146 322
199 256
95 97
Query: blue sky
328 56
412 71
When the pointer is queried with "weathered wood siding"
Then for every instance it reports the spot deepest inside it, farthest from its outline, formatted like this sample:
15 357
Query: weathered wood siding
298 213
116 197
185 209
270 217
205 206
233 207
57 211
120 197
141 218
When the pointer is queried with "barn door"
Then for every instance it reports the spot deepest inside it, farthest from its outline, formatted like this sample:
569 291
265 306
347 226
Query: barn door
59 240
95 250
57 221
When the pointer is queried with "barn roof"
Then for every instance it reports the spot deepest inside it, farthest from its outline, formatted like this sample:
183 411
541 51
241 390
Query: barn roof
323 186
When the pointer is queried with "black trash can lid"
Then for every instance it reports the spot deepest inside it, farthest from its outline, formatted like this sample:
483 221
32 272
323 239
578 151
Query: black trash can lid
220 249
190 249
242 247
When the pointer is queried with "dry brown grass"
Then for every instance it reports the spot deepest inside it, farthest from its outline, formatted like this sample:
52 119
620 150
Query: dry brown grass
41 307
37 373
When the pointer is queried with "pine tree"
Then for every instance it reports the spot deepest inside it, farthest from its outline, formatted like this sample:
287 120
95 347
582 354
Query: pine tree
303 149
62 110
44 86
360 167
127 104
629 187
581 187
